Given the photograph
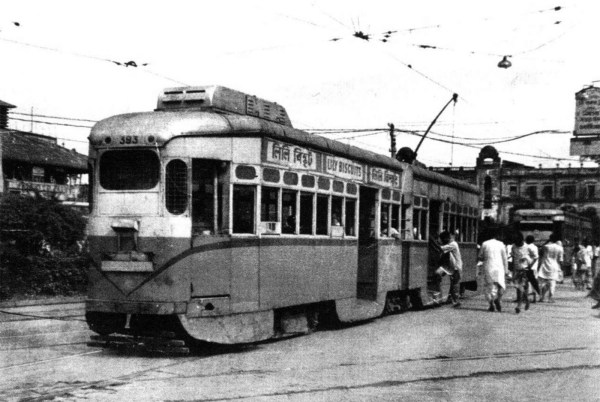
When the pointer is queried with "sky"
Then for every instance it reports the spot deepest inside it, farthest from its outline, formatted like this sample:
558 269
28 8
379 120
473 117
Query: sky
59 61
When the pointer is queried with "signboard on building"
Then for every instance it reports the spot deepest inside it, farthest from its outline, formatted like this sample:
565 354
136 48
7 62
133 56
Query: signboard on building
587 112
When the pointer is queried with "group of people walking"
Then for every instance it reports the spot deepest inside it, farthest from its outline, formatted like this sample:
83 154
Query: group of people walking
522 264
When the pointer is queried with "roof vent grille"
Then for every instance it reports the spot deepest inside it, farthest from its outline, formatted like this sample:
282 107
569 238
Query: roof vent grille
222 99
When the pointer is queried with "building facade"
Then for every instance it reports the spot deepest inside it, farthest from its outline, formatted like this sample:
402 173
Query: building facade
37 164
506 186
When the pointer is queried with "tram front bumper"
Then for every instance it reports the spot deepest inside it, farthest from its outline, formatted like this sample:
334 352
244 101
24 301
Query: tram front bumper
161 308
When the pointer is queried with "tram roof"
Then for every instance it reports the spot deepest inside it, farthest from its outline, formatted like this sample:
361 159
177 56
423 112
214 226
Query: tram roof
166 125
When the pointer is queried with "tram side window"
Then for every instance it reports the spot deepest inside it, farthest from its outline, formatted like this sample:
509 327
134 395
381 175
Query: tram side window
306 212
322 213
420 219
336 211
243 209
176 194
384 219
396 217
350 217
269 204
288 212
203 195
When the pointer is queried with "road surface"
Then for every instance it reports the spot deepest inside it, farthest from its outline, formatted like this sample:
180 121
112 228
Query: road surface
551 352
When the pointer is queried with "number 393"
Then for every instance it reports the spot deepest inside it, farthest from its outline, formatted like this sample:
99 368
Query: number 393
129 139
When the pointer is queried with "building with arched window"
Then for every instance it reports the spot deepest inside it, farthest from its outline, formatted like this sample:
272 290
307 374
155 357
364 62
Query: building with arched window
506 186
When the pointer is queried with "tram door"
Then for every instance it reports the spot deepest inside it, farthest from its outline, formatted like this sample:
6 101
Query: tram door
367 245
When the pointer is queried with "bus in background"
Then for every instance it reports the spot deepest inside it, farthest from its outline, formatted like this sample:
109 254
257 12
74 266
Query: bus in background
540 223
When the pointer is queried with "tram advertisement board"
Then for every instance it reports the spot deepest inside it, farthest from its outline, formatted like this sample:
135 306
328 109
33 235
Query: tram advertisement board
384 177
587 112
290 155
344 168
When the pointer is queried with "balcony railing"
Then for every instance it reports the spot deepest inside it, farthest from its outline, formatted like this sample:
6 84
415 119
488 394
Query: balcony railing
63 192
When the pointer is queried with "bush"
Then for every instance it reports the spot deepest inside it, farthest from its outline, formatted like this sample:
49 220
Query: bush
41 248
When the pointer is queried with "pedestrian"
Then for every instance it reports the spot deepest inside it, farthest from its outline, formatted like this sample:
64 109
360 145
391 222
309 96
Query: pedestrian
596 250
522 262
451 265
548 272
587 258
595 292
495 268
533 272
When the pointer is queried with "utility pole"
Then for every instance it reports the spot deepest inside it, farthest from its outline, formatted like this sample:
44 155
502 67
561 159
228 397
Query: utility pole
392 140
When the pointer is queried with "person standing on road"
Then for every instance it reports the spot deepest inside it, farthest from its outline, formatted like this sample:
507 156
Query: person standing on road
548 274
595 292
533 272
495 267
452 265
522 262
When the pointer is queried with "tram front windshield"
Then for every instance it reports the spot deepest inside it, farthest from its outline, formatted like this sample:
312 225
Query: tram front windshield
540 231
129 170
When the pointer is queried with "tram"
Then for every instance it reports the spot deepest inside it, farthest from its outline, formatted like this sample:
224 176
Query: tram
572 229
212 217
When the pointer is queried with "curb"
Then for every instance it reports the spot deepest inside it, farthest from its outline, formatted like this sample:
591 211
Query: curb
42 302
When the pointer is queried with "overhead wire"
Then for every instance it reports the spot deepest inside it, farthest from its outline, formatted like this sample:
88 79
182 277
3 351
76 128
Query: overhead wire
50 123
53 117
88 56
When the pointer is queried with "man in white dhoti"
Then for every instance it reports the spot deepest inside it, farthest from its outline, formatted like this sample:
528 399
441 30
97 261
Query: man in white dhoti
552 258
494 268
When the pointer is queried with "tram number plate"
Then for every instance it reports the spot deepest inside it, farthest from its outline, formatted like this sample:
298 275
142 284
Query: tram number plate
128 139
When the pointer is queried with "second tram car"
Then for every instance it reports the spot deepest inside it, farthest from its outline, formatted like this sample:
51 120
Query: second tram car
212 217
540 223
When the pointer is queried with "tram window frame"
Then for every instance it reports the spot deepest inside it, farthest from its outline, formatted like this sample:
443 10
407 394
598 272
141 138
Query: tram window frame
322 214
216 204
289 222
126 170
337 210
266 212
420 218
385 212
176 187
350 205
236 210
306 226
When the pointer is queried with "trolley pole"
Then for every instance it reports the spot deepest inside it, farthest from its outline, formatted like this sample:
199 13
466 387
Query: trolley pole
392 140
453 99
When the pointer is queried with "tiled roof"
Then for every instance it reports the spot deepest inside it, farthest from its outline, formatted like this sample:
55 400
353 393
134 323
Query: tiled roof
40 150
6 105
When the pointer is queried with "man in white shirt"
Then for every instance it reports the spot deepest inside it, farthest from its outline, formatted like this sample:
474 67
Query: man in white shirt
452 265
494 269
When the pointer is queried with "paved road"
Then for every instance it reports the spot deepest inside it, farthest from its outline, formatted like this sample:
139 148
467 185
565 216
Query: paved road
551 352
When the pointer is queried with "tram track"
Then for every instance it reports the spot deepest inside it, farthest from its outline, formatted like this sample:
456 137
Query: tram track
70 389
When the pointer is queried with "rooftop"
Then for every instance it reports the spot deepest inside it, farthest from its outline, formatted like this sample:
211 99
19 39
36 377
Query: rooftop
39 149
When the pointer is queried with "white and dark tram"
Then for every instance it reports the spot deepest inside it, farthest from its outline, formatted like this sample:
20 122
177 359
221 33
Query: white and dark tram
213 218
